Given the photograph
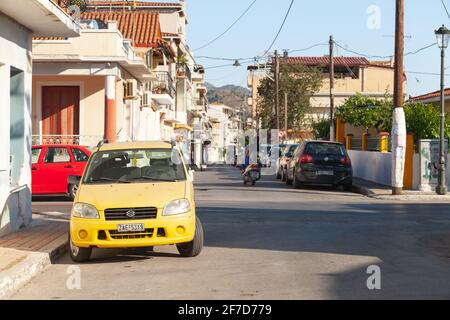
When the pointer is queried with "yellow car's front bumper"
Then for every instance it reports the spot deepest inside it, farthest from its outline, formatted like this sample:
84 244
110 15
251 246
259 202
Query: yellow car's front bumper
160 231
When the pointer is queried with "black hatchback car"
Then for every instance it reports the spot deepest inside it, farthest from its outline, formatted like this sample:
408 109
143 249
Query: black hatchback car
320 163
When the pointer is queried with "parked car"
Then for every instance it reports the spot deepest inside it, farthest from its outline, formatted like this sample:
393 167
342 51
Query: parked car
286 155
52 165
320 163
266 157
136 194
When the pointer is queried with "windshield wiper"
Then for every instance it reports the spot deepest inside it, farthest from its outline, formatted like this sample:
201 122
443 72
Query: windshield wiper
155 179
109 180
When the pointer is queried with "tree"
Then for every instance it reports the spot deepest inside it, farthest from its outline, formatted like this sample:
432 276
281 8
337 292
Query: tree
79 3
300 83
367 112
321 128
423 120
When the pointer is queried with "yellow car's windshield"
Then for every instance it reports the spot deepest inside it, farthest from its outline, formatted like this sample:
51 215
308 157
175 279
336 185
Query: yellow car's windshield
135 166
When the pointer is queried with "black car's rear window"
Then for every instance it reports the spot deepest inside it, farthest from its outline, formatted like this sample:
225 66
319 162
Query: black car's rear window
319 148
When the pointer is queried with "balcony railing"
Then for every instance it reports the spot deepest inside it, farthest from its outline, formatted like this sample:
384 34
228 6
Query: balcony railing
85 140
164 84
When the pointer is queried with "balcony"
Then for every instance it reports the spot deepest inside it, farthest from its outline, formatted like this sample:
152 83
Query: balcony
163 89
184 72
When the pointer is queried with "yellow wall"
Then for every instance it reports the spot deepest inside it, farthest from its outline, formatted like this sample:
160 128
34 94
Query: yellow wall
376 80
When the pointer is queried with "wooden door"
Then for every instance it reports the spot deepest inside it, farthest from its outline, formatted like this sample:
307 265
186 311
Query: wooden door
60 110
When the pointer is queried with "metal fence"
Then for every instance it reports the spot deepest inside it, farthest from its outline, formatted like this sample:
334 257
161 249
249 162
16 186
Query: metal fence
85 140
356 143
164 84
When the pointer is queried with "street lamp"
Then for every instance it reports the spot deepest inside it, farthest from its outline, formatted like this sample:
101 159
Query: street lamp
442 37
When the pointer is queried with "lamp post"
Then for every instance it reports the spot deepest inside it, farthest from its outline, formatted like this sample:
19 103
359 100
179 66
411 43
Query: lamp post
442 36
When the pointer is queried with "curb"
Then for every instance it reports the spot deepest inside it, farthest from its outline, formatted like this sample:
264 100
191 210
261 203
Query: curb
363 190
12 279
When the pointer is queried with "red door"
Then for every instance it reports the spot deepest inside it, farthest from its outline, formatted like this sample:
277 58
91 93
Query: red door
55 169
60 111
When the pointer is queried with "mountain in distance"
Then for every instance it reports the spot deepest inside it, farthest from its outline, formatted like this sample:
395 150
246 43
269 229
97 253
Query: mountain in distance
230 95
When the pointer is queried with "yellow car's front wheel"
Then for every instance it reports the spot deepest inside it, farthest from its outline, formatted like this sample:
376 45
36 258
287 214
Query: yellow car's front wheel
193 248
78 254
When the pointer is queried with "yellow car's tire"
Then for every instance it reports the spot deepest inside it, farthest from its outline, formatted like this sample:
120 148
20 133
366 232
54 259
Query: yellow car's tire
78 254
193 248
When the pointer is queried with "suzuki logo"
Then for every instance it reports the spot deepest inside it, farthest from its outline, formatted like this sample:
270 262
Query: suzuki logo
130 213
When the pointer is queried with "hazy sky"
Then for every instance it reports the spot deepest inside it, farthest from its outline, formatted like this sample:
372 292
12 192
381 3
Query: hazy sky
365 26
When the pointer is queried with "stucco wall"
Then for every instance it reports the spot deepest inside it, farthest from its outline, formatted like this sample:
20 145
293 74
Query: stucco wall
15 200
371 166
376 167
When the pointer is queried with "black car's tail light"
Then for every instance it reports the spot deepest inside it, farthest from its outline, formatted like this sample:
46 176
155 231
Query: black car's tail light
345 161
306 158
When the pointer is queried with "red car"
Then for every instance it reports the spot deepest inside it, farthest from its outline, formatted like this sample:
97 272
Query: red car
52 165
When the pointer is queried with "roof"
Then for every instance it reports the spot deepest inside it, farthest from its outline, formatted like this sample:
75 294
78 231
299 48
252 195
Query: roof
324 61
430 97
136 145
146 31
138 3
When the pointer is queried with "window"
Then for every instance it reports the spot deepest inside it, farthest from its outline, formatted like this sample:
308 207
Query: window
35 153
79 155
136 166
324 149
57 155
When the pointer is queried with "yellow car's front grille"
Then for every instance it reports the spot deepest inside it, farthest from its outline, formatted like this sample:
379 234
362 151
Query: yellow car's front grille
148 233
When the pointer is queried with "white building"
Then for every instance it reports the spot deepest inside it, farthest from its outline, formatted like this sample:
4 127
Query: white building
20 21
224 133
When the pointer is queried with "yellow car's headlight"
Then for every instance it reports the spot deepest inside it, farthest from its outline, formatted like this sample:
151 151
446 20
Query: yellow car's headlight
179 206
84 210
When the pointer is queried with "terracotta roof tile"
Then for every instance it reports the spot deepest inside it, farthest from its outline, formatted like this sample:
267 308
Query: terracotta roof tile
146 31
324 61
430 95
138 3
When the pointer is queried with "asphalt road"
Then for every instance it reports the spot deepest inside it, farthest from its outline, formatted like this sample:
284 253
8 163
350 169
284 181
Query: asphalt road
271 241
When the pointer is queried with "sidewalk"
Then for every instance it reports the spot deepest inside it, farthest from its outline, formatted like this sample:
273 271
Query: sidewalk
26 253
382 192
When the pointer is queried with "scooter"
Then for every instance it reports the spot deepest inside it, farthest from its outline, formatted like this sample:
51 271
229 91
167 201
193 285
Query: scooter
251 174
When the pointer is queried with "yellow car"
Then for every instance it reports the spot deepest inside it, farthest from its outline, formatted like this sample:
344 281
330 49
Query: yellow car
137 194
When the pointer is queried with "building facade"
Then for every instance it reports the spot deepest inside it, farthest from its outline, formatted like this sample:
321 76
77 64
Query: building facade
351 75
91 87
20 21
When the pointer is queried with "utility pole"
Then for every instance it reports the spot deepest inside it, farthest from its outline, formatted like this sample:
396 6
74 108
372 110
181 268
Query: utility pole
332 127
277 90
286 115
398 118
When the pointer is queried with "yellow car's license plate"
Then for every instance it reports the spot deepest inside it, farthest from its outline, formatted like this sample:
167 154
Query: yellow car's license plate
132 227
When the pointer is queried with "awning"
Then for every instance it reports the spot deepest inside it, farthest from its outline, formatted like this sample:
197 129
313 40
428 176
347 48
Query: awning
181 126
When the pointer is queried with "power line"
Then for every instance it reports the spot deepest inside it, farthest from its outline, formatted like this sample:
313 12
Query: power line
445 7
308 48
385 57
279 30
229 28
261 57
426 73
